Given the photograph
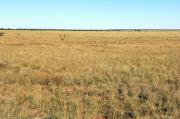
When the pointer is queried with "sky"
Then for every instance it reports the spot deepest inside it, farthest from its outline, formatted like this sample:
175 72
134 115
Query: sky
90 14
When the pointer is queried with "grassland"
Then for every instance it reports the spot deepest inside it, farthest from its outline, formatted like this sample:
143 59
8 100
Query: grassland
89 75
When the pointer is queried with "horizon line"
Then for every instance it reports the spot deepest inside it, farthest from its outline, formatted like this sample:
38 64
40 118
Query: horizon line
58 29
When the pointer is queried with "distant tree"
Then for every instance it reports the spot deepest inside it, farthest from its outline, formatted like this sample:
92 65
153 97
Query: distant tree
137 30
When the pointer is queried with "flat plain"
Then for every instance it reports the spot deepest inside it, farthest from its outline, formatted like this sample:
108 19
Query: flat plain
89 74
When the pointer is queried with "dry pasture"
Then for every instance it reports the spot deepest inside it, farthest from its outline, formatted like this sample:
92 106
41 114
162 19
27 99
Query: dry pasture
89 75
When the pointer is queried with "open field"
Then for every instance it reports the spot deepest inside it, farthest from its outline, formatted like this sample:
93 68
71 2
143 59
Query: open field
89 75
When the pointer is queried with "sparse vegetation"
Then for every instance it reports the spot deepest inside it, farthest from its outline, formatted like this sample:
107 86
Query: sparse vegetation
90 75
1 34
62 36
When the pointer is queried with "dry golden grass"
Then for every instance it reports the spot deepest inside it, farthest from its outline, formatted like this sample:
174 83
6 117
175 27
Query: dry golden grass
89 75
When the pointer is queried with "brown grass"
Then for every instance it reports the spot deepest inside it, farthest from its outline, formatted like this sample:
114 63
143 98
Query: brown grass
89 75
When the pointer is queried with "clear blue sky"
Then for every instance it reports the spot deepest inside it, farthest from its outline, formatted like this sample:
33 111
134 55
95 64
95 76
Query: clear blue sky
90 14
